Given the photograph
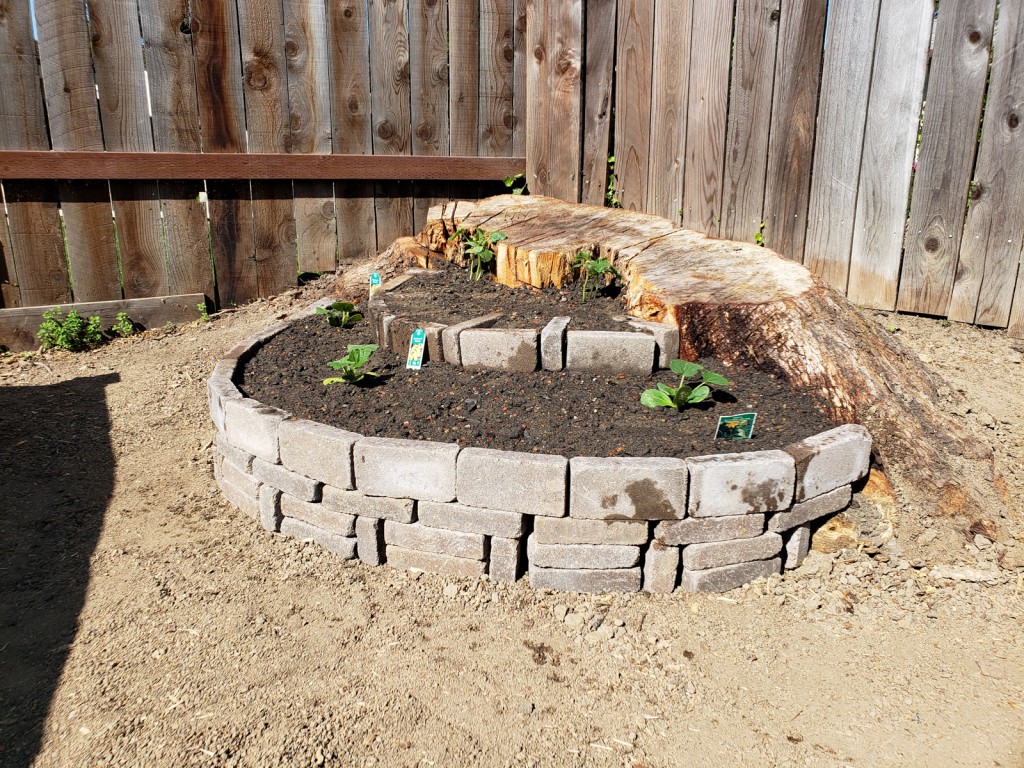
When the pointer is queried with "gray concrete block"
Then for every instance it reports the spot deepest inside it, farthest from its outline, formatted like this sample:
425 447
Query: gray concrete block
609 352
252 427
338 545
218 394
292 483
565 580
715 554
581 556
798 544
570 530
729 576
666 339
627 488
699 530
401 331
241 459
504 562
826 461
459 517
504 349
270 508
370 538
526 483
318 451
552 344
450 335
740 483
661 568
319 515
413 469
437 540
378 507
446 565
802 513
240 489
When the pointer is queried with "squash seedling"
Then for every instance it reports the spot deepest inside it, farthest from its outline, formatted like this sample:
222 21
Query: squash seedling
340 314
688 392
594 269
479 246
350 365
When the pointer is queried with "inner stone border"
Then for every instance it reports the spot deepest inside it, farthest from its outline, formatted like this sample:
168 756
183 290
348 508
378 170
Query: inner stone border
585 524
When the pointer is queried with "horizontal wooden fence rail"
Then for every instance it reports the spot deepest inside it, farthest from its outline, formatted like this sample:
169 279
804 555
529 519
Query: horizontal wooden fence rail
158 166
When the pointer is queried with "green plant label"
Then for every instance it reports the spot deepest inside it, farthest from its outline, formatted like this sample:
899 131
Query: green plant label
417 343
374 282
738 427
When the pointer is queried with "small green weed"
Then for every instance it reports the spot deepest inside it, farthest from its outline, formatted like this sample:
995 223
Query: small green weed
204 315
688 392
73 333
759 235
350 365
610 199
517 184
340 314
479 246
594 269
123 325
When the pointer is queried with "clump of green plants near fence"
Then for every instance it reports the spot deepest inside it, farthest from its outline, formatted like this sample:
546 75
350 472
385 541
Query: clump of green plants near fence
610 198
479 247
73 332
596 270
123 325
689 391
517 184
351 365
340 314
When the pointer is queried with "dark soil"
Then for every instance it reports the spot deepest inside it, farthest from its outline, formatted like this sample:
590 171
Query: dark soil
569 412
448 296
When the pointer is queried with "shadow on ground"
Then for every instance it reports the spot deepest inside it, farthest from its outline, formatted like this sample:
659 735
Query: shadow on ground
56 479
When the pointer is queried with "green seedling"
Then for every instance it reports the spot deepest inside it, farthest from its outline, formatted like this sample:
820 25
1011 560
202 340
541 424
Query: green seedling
689 391
479 246
517 184
72 333
594 269
759 235
204 316
610 198
123 325
340 314
351 364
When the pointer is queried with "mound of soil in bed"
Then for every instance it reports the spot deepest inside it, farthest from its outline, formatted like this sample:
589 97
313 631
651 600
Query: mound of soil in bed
569 412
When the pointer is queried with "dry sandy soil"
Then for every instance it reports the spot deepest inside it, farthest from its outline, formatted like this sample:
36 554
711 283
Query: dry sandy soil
145 622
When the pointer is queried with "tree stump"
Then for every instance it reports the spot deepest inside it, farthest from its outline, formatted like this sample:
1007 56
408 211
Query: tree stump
744 304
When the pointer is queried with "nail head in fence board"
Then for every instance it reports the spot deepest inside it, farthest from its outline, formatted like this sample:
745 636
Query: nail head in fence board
634 63
750 101
428 50
991 247
707 103
842 114
565 46
538 97
121 80
956 87
18 327
890 136
672 30
599 65
794 112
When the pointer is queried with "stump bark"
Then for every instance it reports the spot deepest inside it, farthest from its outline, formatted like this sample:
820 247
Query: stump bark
744 304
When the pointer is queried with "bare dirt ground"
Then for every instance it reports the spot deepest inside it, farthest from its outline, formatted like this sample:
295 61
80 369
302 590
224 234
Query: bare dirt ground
145 622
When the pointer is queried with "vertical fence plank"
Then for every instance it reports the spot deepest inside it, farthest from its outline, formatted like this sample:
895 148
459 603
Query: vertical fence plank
391 105
634 79
74 119
464 94
538 97
672 23
956 87
890 137
991 247
565 49
842 114
309 99
496 61
1016 327
36 271
347 27
707 104
428 46
750 105
791 145
520 56
599 66
10 295
121 80
265 85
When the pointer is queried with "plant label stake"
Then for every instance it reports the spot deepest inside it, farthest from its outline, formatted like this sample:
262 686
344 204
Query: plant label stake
417 343
374 282
738 427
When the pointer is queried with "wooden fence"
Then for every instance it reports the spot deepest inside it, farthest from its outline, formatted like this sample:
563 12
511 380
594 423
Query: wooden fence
877 141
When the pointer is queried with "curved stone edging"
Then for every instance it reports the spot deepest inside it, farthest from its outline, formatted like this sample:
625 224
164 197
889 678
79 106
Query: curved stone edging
586 524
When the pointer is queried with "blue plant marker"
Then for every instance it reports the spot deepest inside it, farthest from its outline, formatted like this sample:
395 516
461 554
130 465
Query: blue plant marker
417 343
374 282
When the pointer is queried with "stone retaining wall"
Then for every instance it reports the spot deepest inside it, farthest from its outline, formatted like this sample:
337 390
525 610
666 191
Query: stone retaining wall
707 523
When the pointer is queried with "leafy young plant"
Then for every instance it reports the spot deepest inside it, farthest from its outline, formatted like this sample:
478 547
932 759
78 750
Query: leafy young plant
759 235
594 269
350 365
204 315
517 184
610 198
123 325
72 333
340 314
689 391
479 246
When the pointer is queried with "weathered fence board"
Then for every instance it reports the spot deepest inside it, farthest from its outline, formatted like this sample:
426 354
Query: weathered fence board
428 47
538 102
519 67
565 51
599 66
956 88
634 73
